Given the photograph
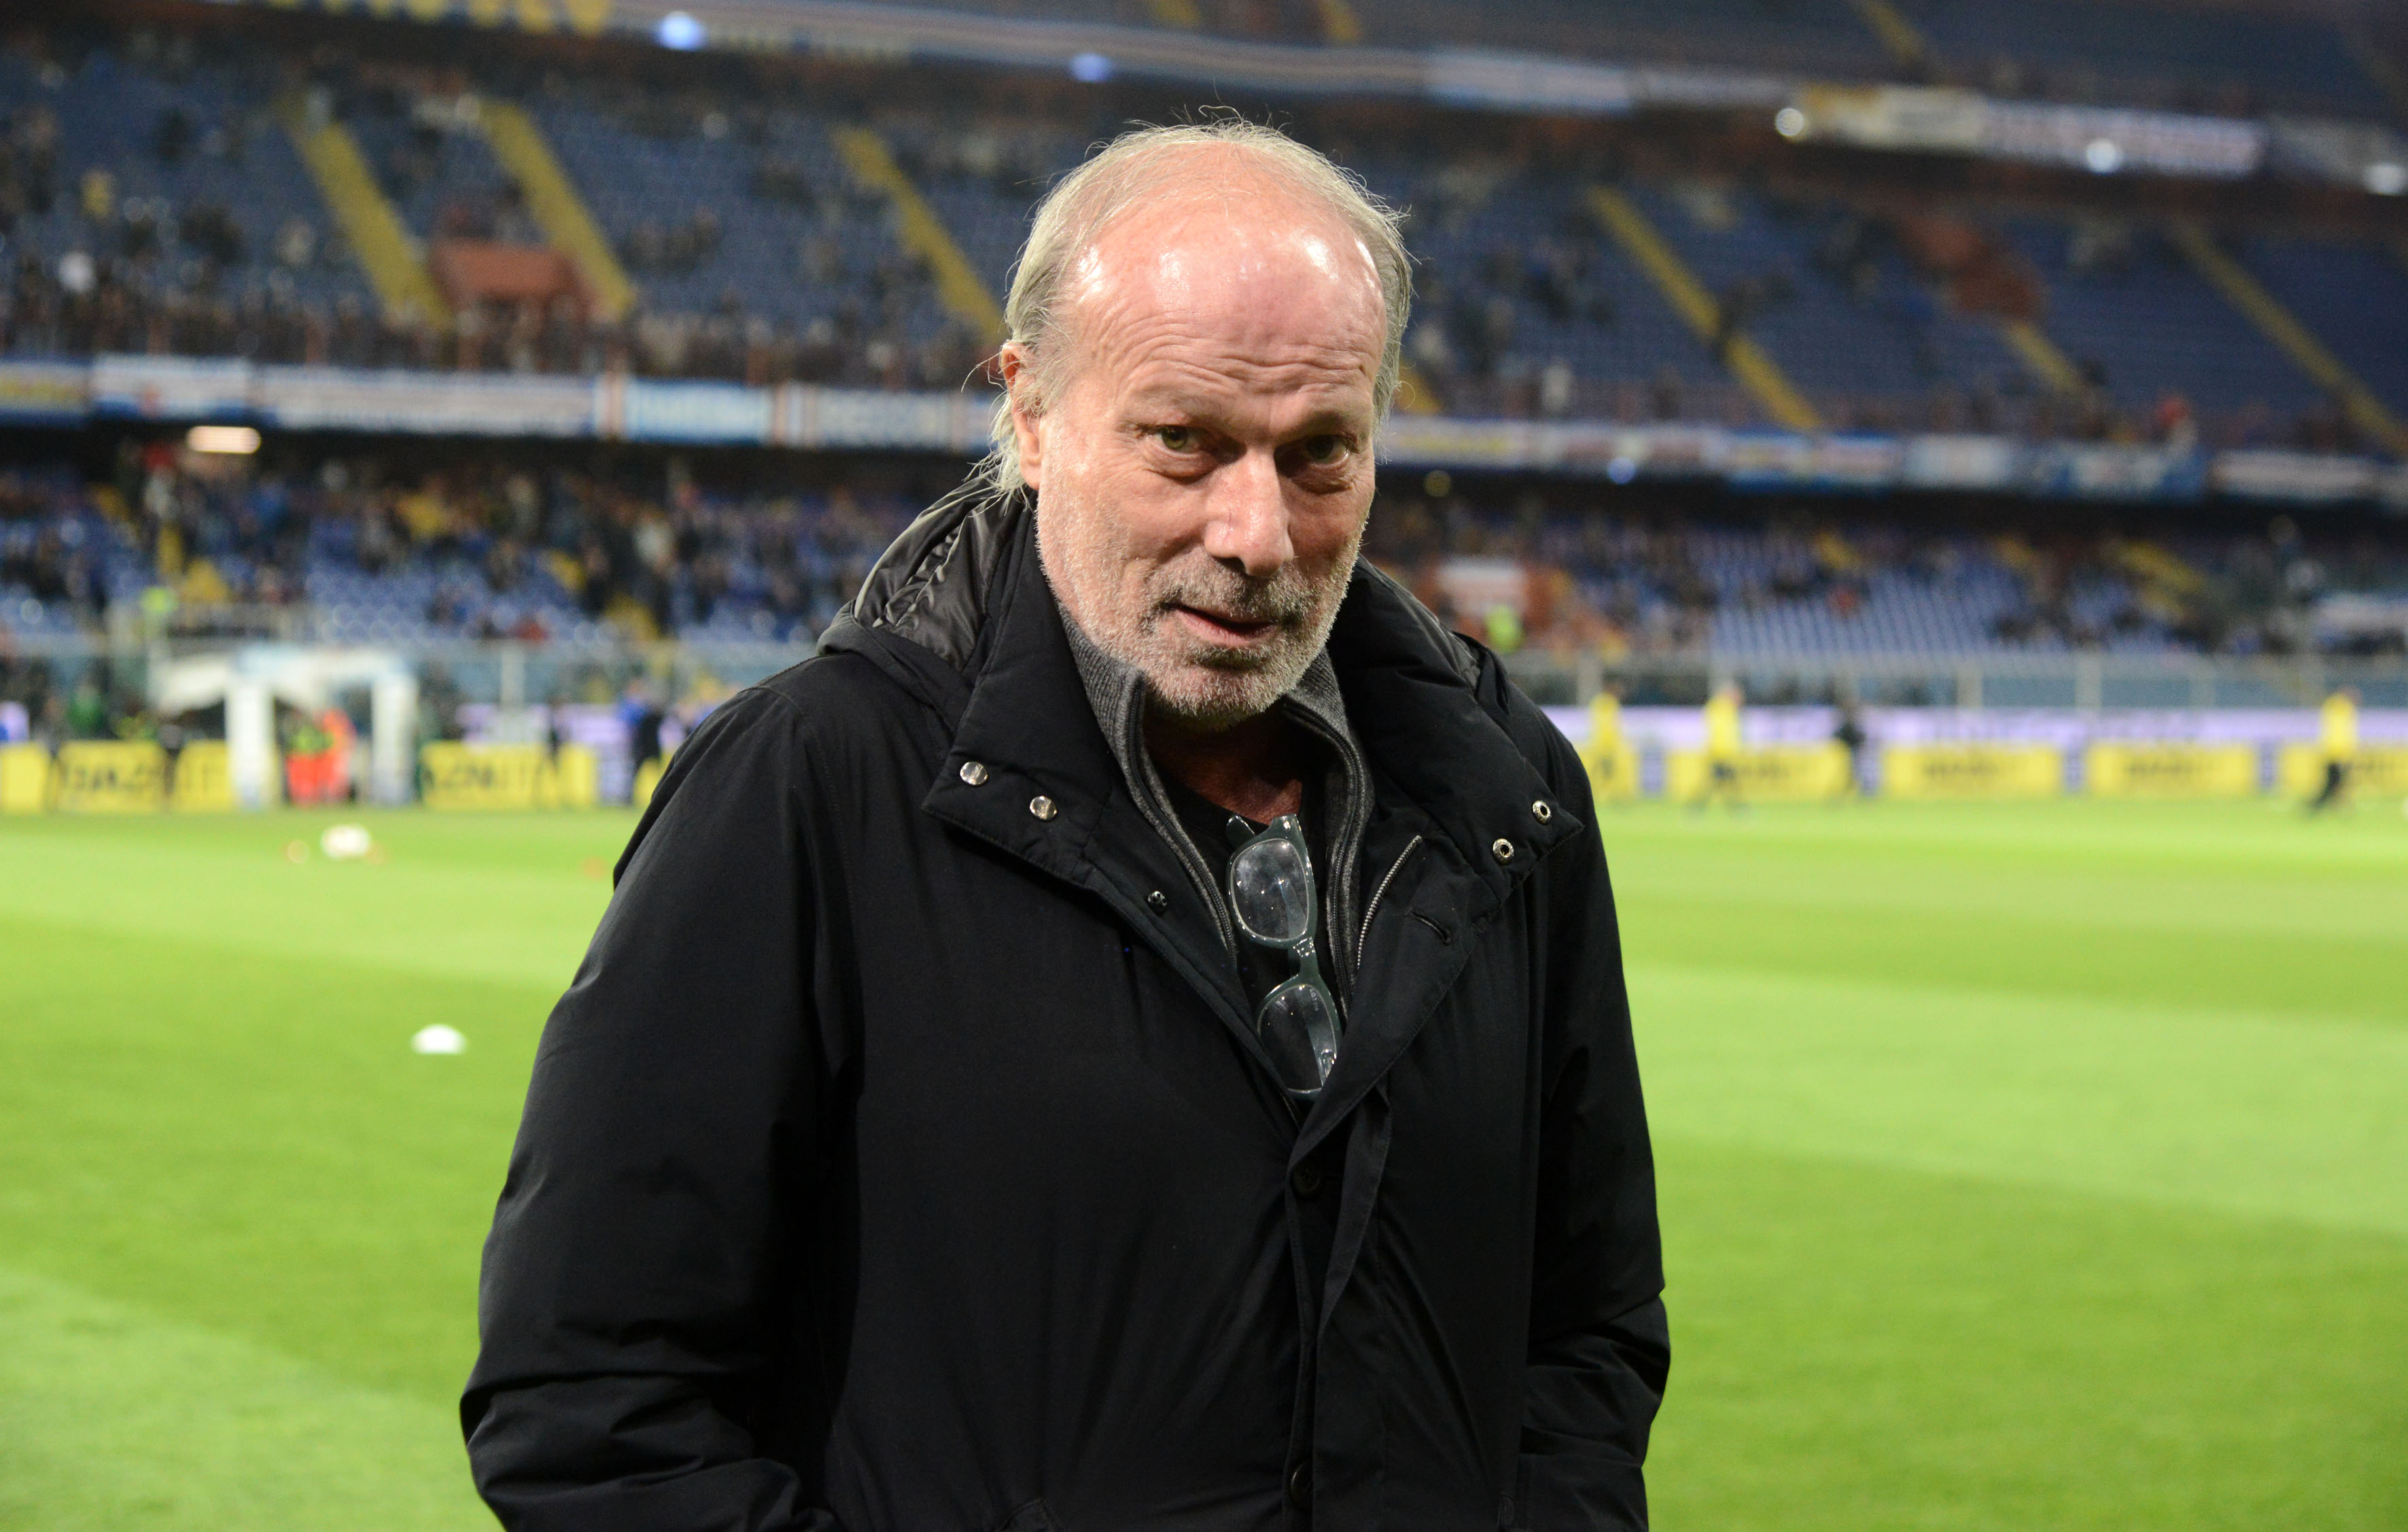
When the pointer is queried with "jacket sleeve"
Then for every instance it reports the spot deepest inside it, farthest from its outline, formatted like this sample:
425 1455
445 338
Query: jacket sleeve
622 1312
1600 1350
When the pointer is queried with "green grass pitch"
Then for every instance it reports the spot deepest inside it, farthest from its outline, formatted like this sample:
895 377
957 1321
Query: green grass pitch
2022 1167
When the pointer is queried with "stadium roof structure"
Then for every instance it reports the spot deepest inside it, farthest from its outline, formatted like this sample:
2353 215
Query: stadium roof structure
1866 114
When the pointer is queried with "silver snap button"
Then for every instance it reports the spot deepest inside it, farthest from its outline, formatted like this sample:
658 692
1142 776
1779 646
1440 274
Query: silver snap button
974 772
1501 849
1158 901
1541 812
1042 807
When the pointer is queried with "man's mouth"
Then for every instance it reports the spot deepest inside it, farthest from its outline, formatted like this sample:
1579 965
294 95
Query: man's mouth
1221 628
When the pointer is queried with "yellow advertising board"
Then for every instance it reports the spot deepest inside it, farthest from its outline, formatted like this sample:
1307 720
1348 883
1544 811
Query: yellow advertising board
576 779
648 777
1778 774
24 779
110 777
1972 771
458 776
2144 771
1613 772
203 780
2380 771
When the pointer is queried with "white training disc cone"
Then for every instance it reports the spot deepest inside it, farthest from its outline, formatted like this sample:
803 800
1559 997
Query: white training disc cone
345 842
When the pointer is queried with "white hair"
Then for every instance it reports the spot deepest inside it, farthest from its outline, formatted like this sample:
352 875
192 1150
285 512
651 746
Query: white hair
1138 165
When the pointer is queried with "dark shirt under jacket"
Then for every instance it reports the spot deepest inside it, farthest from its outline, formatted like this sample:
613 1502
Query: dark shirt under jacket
1262 968
902 1159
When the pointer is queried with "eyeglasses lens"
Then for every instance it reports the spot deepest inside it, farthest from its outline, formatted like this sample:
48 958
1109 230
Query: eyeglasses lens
1300 1034
1271 888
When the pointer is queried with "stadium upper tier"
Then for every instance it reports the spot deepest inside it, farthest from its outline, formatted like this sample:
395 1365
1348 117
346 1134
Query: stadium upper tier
162 195
369 551
2200 57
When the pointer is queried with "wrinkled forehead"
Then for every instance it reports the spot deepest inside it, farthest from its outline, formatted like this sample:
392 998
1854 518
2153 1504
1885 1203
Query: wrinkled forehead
1255 269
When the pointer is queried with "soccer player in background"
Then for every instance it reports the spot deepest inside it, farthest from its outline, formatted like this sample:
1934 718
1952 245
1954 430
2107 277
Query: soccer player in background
1722 747
1603 755
2338 732
1851 736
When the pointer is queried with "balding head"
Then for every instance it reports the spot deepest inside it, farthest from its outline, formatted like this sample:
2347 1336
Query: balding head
1221 166
1204 338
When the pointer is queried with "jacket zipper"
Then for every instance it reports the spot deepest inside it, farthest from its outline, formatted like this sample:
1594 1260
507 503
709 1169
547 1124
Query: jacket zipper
1381 892
1344 846
1154 803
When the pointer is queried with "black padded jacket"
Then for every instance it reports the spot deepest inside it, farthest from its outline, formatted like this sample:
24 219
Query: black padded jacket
902 1159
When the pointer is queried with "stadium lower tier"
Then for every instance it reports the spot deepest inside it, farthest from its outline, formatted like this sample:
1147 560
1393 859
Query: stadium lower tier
417 547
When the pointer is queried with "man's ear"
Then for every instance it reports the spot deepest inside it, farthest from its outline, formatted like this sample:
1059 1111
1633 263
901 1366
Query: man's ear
1020 386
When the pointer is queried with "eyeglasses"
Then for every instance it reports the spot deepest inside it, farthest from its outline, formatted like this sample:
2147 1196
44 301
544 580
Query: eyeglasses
1270 889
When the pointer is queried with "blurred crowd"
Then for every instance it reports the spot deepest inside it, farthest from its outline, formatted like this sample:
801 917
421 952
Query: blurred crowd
1558 575
502 549
502 545
1506 326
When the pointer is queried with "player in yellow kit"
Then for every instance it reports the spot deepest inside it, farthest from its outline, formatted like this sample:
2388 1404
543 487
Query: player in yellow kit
2338 729
1722 747
1611 767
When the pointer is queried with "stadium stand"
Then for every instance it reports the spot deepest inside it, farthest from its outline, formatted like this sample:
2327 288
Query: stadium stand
2167 54
372 550
2144 327
2188 58
152 203
1792 37
166 192
180 218
2354 298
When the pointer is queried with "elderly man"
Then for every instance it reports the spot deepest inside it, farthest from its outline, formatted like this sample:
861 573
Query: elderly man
1132 1034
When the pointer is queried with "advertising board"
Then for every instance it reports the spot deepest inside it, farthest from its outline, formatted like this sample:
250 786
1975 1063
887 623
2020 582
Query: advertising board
462 776
1972 771
2171 770
1783 774
110 777
24 779
202 781
2377 771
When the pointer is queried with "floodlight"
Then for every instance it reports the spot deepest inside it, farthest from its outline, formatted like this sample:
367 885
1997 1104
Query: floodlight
2103 155
679 31
1090 68
234 440
1789 123
2386 179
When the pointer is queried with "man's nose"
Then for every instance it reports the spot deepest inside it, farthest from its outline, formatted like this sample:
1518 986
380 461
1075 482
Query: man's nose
1249 516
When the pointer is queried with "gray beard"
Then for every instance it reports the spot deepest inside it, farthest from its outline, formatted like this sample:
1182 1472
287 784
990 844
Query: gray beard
1194 687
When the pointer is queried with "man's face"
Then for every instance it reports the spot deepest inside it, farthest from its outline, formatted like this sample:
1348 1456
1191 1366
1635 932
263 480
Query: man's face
1203 479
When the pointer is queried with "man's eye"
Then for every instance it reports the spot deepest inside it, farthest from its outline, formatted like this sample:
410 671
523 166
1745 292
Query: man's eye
1179 439
1323 450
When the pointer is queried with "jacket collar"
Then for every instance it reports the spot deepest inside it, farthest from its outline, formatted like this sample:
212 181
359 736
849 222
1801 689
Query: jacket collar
1117 692
959 613
1029 771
